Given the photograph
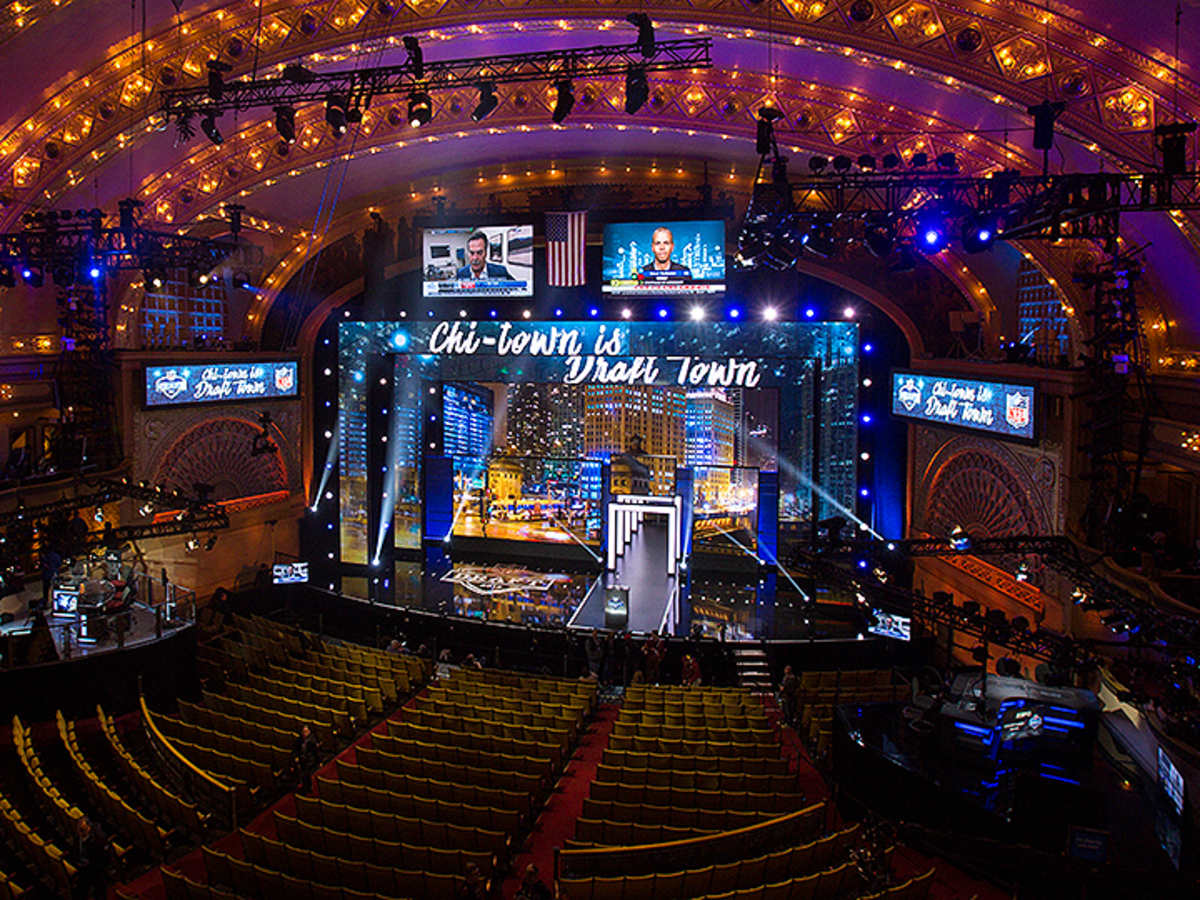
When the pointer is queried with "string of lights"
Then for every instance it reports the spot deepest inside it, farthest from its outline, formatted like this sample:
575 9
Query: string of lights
346 93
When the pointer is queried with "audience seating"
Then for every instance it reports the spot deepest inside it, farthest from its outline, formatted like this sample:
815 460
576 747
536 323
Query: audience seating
614 833
693 747
427 808
224 755
269 717
43 855
699 780
628 759
236 726
9 889
432 728
488 753
62 813
915 888
139 828
327 707
691 817
422 764
326 723
448 791
171 807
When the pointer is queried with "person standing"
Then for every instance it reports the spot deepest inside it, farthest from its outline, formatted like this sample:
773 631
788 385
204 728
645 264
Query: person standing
788 689
91 860
653 652
594 649
305 757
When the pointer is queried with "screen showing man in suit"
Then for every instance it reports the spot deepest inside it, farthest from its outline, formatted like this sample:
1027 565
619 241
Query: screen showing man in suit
478 261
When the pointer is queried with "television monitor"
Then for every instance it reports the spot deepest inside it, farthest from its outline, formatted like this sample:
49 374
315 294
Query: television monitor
64 601
1171 780
1001 409
290 573
664 258
890 625
478 261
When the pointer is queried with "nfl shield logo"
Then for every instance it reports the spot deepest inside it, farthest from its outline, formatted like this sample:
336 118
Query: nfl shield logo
284 378
909 395
171 385
1016 410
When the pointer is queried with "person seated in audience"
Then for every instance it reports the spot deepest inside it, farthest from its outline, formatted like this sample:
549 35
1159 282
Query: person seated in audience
532 887
305 758
473 886
471 662
91 860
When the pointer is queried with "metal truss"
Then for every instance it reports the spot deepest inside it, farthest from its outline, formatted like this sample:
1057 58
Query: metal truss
972 620
67 248
358 87
1139 617
1024 206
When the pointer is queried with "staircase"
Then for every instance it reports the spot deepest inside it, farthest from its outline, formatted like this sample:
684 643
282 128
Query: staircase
752 669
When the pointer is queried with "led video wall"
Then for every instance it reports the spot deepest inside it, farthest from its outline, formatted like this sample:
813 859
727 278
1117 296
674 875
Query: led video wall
534 415
1004 410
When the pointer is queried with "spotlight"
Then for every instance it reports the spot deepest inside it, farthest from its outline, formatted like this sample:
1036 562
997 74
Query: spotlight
978 233
241 281
416 58
931 233
848 312
33 276
696 313
94 271
565 102
821 243
880 238
947 161
959 539
734 313
817 163
662 312
211 542
626 313
191 545
842 163
1044 115
866 162
770 314
488 101
297 74
420 109
99 514
285 123
155 277
645 27
209 126
593 311
637 91
765 137
810 312
919 160
145 509
336 107
216 81
890 161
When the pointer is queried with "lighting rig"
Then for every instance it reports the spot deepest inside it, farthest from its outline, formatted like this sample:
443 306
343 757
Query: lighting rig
1125 613
966 618
923 204
82 246
347 93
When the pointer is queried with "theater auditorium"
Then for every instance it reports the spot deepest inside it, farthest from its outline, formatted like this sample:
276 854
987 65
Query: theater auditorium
729 449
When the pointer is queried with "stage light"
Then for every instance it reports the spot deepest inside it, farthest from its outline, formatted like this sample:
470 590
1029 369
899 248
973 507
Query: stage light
565 102
593 311
488 101
735 313
492 313
696 313
1044 115
662 312
241 281
211 542
770 314
1022 571
864 456
919 160
931 233
946 161
637 90
336 106
867 382
626 313
866 162
191 545
297 74
867 348
764 138
820 242
865 418
416 58
420 109
99 514
864 492
645 38
862 564
94 271
890 161
399 341
817 163
208 125
809 312
525 313
978 233
848 312
462 313
558 312
216 81
842 163
285 123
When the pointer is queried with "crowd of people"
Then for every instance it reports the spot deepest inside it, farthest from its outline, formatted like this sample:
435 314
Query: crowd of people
618 658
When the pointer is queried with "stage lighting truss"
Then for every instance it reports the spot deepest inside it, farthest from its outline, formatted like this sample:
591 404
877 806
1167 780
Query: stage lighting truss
358 88
889 209
80 247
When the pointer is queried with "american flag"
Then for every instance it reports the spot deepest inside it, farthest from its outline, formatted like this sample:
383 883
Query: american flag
566 238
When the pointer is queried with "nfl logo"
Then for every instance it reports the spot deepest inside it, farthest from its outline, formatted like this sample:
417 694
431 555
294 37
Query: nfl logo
171 385
284 378
1016 410
909 395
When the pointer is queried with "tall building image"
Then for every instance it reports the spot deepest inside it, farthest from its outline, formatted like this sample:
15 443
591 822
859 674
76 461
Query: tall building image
711 428
467 411
546 421
614 414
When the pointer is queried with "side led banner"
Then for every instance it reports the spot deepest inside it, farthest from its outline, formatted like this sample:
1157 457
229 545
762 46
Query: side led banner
1005 410
216 382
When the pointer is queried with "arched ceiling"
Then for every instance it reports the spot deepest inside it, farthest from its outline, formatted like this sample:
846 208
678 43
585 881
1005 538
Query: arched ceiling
851 76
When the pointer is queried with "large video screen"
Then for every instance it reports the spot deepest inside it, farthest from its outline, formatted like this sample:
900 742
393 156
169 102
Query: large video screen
478 261
174 385
1005 410
664 258
540 421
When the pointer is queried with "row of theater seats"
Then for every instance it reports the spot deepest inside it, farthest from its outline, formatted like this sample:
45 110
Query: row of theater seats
9 889
418 802
171 807
820 692
915 888
141 829
42 855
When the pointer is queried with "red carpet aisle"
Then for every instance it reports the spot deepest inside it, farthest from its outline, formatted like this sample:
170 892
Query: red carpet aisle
556 825
150 887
